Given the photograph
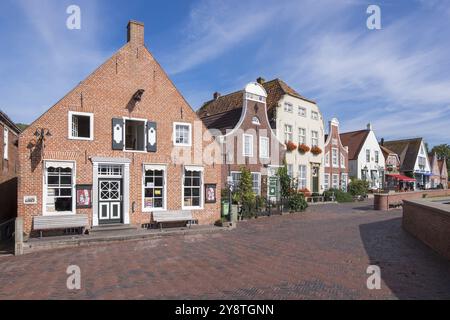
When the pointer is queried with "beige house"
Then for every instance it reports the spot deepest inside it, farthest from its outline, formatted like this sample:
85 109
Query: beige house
298 119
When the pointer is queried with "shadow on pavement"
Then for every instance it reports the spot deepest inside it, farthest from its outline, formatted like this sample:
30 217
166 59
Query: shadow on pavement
409 268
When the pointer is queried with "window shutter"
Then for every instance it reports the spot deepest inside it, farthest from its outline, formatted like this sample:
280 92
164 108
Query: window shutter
117 134
151 136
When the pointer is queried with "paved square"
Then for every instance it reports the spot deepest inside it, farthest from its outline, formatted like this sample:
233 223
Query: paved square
320 254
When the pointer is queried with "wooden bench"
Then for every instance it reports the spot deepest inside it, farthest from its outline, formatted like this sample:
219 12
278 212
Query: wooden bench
172 216
42 223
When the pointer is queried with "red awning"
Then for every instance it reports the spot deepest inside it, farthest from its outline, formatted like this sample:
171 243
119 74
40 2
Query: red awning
400 177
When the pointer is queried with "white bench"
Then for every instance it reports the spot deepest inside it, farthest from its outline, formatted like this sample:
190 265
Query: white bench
42 223
172 216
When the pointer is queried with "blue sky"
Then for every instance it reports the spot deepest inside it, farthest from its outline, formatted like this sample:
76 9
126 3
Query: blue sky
397 78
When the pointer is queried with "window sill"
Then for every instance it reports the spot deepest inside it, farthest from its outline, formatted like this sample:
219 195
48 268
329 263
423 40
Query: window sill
182 145
192 208
135 151
81 139
61 213
147 210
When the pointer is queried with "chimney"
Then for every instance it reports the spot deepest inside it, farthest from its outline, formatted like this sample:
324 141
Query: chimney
135 32
216 95
261 80
382 141
369 126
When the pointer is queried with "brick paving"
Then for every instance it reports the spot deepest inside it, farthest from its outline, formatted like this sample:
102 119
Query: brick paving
320 254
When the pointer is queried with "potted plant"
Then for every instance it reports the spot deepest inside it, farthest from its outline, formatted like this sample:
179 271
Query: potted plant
291 146
316 150
303 148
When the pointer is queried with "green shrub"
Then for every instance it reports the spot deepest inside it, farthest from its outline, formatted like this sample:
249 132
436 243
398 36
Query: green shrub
297 202
339 195
358 187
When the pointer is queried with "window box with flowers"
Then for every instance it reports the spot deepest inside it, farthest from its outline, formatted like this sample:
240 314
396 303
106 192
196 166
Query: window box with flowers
316 150
291 146
303 148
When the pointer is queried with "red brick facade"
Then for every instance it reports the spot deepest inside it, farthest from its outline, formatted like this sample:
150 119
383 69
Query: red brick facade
109 93
338 167
8 168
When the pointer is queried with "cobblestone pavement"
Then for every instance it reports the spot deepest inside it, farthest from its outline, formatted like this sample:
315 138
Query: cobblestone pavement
321 254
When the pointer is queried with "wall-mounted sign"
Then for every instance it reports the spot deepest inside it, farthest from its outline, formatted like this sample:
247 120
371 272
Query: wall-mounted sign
210 193
30 199
84 196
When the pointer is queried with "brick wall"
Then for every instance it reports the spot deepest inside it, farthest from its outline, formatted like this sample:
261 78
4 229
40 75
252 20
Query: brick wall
333 135
383 201
107 93
430 223
8 176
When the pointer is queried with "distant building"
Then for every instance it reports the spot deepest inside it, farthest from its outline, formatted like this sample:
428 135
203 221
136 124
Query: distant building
366 159
336 159
414 160
439 175
240 123
395 181
9 135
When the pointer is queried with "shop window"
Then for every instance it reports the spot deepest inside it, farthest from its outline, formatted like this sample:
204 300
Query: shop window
154 188
192 188
58 189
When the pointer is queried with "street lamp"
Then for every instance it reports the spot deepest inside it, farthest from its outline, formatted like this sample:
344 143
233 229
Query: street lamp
41 135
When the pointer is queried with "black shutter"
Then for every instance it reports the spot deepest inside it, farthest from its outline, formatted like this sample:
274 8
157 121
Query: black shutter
151 136
117 134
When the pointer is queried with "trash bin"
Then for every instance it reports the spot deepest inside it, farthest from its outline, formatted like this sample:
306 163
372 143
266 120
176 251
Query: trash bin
225 208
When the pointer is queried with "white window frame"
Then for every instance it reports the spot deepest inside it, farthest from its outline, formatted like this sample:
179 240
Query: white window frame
305 178
244 136
367 155
91 125
342 157
5 143
266 142
202 177
290 170
124 134
344 182
236 185
175 124
314 139
288 107
335 178
258 174
289 132
377 156
302 112
326 181
256 121
327 159
314 115
158 167
335 157
45 189
302 137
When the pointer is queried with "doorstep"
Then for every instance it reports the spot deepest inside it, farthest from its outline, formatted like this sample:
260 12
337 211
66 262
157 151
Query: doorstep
59 242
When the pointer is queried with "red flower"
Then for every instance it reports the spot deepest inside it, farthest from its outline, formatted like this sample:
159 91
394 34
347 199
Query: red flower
291 146
316 150
303 148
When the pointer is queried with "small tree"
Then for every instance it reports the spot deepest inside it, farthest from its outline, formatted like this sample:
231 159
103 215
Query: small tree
246 194
285 181
358 187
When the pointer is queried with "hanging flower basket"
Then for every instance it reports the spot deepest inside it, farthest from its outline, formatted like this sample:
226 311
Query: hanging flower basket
303 148
291 146
316 150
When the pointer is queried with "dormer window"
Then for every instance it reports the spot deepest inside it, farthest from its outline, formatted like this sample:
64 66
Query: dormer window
255 120
81 125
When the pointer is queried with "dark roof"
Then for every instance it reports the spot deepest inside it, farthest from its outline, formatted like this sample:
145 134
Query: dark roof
354 140
7 120
214 112
386 152
407 150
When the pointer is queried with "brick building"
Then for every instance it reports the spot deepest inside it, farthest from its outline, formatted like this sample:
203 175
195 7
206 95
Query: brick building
120 146
240 122
9 135
439 175
336 159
